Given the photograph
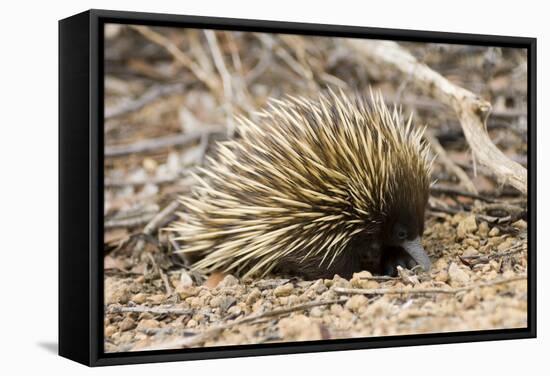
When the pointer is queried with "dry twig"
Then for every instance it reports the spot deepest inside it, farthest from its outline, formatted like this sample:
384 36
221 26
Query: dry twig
213 331
449 164
149 96
160 143
471 110
179 55
433 290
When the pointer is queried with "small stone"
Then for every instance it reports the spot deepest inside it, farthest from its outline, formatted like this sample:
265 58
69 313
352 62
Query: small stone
371 284
338 281
299 328
150 165
319 287
495 231
293 299
139 298
316 312
191 323
214 279
116 293
234 310
127 324
215 301
195 302
186 292
470 251
253 295
469 300
505 245
442 276
441 263
185 280
336 309
228 281
521 224
457 275
471 242
483 229
110 330
357 303
365 274
148 324
284 290
466 226
226 302
157 299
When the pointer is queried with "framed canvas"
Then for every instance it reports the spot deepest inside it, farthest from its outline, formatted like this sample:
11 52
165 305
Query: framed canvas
234 187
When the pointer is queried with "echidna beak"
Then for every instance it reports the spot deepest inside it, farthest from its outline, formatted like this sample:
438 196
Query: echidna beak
416 251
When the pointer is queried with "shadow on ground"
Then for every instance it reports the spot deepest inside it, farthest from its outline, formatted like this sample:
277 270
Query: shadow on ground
50 347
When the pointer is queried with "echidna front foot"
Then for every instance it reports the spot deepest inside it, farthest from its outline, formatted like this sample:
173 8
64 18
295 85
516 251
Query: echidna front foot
394 257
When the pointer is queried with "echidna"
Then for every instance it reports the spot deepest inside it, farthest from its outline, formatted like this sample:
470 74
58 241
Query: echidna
315 188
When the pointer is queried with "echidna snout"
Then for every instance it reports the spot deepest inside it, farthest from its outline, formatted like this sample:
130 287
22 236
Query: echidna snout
316 188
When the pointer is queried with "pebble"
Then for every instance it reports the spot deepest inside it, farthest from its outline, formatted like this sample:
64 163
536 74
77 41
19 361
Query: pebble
226 302
110 330
506 244
371 284
466 226
127 324
299 328
365 274
495 231
338 281
470 251
139 298
157 299
457 275
148 324
521 224
442 276
253 295
185 280
316 312
116 293
284 290
234 310
483 229
187 292
469 300
318 287
228 281
357 303
471 242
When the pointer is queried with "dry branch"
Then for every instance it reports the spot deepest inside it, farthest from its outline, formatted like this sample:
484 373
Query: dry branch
159 220
179 56
433 290
149 96
471 110
457 192
152 310
213 331
449 164
160 143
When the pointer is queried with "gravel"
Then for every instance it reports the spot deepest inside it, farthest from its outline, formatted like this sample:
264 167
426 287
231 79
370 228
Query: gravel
222 312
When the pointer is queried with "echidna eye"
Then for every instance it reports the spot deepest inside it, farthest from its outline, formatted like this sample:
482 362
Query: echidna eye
402 234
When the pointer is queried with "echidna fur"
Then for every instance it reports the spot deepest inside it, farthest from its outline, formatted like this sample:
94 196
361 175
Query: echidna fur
315 187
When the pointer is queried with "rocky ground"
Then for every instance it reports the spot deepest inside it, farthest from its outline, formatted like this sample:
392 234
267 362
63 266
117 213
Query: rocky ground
477 282
170 94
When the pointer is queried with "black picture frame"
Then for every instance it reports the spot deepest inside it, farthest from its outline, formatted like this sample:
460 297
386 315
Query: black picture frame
81 186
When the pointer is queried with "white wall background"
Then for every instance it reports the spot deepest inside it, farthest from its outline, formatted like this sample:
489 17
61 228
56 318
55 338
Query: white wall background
28 185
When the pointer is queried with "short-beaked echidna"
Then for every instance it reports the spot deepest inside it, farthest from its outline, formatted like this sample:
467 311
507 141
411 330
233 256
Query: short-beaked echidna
314 187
